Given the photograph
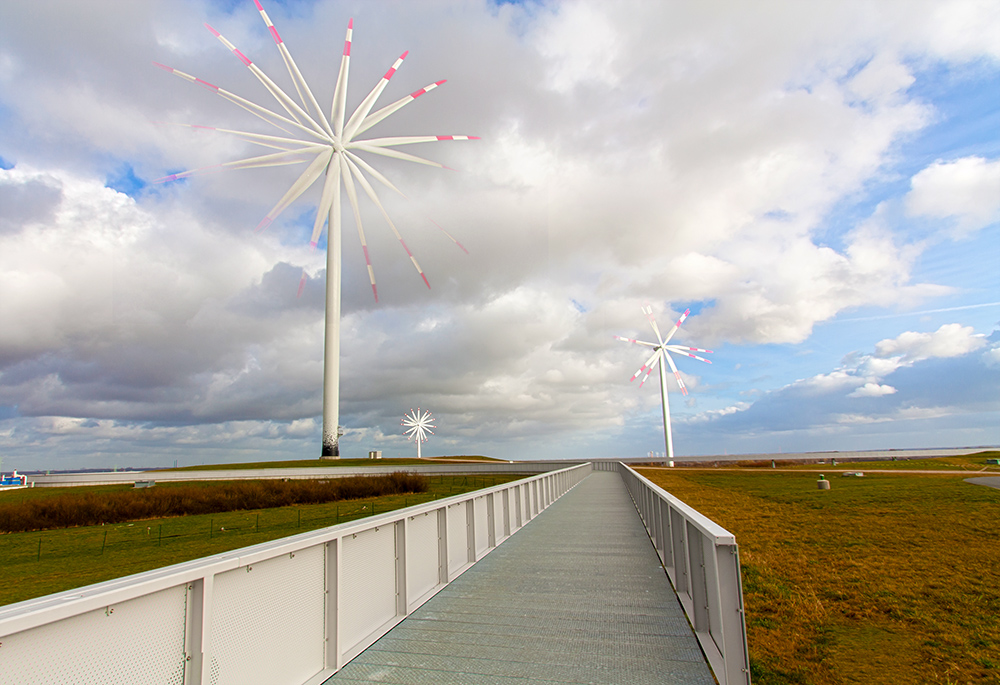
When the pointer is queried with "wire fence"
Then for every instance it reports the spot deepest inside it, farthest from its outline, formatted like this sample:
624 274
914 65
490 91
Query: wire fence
102 540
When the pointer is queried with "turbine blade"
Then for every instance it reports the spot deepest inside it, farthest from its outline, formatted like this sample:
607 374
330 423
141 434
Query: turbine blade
652 322
352 195
683 350
301 86
395 154
255 109
302 284
381 114
330 187
300 186
409 140
637 342
374 198
678 324
275 142
677 374
450 236
373 171
286 102
273 159
647 366
340 92
366 105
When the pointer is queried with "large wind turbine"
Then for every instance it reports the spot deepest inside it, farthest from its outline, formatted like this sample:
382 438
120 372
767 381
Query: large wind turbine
330 146
661 351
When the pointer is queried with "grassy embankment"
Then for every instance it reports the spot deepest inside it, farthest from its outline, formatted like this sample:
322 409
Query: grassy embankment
889 578
335 463
33 564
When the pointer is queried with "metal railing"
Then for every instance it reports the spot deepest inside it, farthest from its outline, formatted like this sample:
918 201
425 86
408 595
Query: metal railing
292 610
703 563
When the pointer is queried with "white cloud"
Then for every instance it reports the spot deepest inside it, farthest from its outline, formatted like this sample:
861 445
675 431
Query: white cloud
873 390
950 340
966 189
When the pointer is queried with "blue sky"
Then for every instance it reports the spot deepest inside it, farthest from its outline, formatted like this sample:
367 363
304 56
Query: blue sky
819 183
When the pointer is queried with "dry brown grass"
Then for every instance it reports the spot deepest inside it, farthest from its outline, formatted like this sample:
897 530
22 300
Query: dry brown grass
889 578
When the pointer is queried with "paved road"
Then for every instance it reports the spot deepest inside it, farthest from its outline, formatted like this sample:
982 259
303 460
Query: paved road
576 596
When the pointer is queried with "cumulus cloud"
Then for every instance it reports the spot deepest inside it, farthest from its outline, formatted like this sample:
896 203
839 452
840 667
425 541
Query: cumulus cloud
950 340
966 190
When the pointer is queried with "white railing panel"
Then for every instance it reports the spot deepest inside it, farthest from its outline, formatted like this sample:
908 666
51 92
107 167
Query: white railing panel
499 517
368 583
136 641
252 609
458 538
482 526
422 560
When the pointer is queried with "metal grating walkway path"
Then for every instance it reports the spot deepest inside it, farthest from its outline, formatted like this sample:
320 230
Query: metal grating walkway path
576 596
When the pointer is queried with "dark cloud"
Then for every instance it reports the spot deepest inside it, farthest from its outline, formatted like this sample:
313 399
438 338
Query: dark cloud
32 201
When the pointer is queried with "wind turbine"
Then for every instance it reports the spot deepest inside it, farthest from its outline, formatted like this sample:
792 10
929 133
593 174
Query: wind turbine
330 146
661 351
416 426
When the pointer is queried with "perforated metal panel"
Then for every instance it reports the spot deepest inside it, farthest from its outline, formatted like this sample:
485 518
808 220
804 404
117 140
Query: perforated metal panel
268 621
482 526
458 537
498 516
421 555
368 583
134 642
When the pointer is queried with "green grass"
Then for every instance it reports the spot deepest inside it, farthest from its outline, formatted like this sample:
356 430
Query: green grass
40 563
332 463
890 578
973 463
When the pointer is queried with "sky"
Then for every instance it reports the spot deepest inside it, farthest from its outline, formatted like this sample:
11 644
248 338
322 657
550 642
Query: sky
819 183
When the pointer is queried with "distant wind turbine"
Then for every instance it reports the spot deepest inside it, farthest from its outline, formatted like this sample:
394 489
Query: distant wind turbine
661 351
417 426
331 147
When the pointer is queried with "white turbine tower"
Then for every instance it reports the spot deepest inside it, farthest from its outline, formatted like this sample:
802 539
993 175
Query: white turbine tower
416 426
330 146
661 351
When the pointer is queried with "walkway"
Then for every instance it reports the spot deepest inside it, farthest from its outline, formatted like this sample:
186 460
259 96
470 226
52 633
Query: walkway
576 596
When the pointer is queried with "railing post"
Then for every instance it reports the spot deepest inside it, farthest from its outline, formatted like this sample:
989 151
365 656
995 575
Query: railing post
197 629
401 598
506 513
442 523
334 654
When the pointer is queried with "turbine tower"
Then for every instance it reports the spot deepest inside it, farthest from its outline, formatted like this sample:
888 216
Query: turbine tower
661 351
417 426
331 147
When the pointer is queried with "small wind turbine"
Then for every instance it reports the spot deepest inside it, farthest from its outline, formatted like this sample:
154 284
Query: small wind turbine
661 351
416 426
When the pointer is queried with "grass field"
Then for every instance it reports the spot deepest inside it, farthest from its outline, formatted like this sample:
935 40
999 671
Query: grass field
40 563
970 462
890 578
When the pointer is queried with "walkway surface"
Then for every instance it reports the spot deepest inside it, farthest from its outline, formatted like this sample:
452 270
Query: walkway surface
576 596
988 481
